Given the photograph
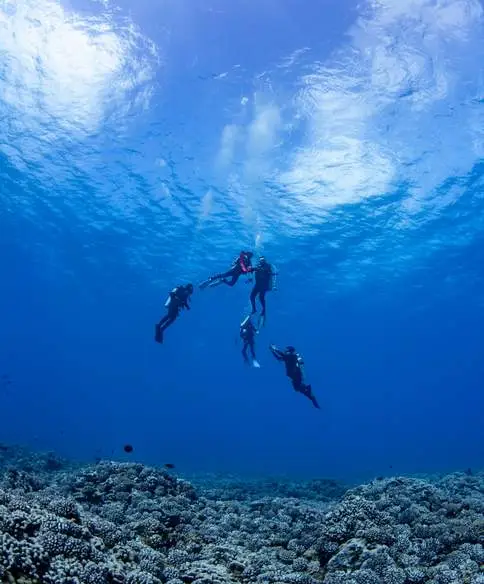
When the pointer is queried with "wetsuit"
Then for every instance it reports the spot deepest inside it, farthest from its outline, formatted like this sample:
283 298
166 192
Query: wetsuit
294 363
241 265
177 299
247 334
263 283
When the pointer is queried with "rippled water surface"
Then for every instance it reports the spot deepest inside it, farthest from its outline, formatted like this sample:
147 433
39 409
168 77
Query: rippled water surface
143 144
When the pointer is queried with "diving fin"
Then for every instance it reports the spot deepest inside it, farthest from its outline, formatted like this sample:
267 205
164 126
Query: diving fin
204 284
214 283
312 397
158 334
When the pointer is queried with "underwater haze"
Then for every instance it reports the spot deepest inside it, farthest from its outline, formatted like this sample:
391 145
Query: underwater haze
144 144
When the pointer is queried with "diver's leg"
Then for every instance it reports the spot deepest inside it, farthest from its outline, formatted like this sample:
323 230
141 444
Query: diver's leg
307 392
297 382
168 321
221 279
244 352
253 295
252 349
233 274
233 281
312 397
163 320
262 298
215 280
160 327
255 363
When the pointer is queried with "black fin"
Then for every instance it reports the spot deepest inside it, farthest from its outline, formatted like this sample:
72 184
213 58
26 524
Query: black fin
158 334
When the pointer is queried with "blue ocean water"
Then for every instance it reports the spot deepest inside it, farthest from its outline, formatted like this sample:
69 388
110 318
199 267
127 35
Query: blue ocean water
142 145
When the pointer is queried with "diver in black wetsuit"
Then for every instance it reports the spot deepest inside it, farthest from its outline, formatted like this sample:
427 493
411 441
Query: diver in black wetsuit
240 265
177 299
263 283
294 370
247 334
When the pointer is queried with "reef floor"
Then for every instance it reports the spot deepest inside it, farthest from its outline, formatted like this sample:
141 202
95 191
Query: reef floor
125 523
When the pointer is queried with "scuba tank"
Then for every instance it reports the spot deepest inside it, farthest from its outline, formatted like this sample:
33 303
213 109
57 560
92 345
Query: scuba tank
300 363
171 296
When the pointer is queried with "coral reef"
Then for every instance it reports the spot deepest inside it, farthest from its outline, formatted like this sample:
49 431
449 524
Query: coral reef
404 531
223 488
125 523
26 471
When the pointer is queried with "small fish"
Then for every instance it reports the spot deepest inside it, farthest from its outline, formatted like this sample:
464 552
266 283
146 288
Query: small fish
169 465
128 448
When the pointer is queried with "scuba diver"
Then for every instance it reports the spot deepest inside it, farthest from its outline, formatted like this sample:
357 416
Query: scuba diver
247 334
294 370
177 299
264 282
240 265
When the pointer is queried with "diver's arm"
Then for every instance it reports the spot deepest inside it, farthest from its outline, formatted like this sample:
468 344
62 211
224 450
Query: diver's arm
278 354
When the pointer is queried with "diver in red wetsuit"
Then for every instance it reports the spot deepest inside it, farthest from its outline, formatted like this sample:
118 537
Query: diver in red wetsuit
242 264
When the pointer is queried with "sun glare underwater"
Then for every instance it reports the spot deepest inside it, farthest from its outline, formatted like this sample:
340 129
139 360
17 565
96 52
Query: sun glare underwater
143 145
